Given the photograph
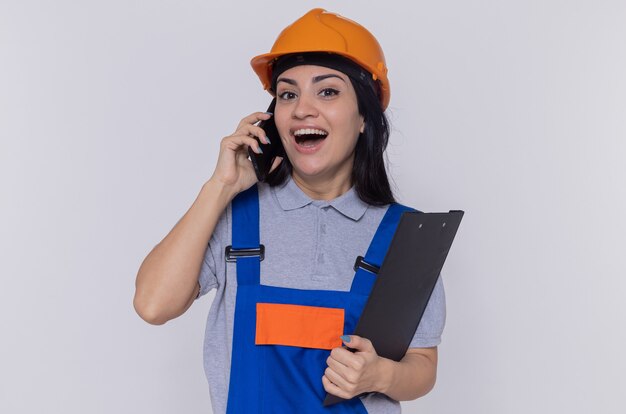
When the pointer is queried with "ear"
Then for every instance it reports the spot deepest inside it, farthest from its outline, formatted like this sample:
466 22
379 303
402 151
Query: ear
362 129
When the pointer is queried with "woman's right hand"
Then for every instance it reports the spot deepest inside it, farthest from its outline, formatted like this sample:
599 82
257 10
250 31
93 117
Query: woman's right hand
234 170
167 281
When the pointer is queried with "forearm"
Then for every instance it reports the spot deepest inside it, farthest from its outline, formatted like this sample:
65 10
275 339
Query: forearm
413 377
168 277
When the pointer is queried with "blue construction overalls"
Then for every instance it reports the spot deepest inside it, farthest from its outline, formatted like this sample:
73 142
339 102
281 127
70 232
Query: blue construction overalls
273 374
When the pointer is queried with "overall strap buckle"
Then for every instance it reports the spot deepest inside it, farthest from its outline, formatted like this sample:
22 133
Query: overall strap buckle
232 254
361 263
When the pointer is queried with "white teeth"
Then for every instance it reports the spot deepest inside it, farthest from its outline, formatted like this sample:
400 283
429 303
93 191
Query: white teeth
310 131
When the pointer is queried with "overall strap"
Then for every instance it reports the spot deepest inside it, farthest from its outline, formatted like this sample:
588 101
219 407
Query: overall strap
246 248
364 279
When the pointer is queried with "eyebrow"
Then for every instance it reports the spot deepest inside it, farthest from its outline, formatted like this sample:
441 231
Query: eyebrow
316 79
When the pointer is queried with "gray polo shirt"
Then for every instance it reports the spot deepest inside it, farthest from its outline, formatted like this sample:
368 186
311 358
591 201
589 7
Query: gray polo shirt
309 244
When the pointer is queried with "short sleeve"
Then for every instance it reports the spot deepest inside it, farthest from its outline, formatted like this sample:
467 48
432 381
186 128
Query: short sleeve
431 326
213 262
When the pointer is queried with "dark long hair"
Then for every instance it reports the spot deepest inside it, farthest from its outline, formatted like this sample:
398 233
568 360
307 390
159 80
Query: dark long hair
369 174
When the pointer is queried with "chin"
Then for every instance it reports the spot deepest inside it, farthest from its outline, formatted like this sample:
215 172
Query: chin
309 171
307 166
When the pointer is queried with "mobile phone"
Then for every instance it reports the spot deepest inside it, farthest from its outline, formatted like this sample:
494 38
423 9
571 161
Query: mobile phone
263 162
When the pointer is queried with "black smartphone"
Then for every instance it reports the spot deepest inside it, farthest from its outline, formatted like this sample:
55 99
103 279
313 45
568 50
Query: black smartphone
263 162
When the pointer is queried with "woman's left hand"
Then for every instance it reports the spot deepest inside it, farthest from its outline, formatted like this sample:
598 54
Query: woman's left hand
350 374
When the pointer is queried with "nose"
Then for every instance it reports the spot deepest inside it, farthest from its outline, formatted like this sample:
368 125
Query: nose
305 107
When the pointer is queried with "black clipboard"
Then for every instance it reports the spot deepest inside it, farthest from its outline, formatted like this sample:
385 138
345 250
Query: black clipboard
405 281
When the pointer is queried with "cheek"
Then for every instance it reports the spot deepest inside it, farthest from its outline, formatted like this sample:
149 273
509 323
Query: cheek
281 124
346 116
352 129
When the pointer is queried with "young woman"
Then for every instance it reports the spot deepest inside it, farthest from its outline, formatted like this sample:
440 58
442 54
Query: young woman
281 254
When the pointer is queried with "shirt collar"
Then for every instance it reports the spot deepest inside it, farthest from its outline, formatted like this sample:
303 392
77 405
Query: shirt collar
291 197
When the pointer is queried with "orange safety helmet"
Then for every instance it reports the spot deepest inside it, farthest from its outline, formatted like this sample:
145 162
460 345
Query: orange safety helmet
321 31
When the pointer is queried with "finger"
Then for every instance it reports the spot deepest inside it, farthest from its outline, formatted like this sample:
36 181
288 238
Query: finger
254 118
342 356
358 343
338 367
334 389
255 131
337 379
240 142
236 142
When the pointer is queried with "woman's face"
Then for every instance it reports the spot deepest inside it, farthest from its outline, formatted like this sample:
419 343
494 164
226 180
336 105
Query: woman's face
318 121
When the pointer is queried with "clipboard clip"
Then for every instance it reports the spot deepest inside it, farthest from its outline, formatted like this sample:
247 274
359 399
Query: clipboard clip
232 254
361 263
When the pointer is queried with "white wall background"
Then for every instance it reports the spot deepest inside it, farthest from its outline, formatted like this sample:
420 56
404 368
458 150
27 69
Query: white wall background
515 111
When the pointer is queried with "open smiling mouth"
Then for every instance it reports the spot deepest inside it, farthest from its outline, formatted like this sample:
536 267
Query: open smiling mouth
309 137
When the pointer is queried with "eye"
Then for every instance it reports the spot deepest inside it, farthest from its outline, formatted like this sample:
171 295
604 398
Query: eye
329 92
287 95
